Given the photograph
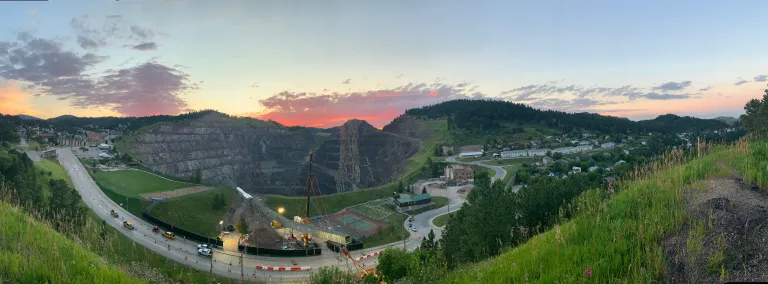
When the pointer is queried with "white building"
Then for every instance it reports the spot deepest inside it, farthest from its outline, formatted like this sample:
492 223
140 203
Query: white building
537 152
576 169
105 146
608 145
471 154
514 154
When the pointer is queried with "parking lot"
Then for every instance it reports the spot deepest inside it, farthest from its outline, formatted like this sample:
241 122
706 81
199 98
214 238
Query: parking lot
93 152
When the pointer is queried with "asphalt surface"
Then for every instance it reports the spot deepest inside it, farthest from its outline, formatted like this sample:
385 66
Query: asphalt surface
225 263
31 154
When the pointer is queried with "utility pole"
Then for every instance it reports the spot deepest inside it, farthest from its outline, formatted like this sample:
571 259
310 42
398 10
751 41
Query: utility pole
211 265
404 248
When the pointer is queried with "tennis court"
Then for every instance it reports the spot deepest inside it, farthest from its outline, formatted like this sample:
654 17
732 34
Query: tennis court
354 221
360 224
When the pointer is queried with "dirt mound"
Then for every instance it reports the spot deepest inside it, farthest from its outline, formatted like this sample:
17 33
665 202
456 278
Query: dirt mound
175 193
723 238
259 226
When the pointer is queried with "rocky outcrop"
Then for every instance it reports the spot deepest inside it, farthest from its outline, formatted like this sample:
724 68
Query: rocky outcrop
260 156
357 155
265 157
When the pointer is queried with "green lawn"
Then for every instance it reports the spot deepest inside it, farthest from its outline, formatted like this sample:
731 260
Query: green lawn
442 219
57 171
33 145
393 233
295 205
194 212
513 161
132 183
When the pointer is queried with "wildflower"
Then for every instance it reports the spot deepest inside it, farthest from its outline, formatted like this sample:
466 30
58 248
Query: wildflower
588 272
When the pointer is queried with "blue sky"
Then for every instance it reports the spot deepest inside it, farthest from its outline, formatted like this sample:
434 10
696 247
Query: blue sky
321 62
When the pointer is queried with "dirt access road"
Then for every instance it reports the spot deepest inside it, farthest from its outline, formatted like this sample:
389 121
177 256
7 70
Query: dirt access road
176 193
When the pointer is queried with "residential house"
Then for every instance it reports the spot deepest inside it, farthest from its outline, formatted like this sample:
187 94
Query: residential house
548 161
593 168
619 162
576 169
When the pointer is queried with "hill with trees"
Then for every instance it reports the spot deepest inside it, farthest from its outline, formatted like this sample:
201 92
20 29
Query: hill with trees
677 124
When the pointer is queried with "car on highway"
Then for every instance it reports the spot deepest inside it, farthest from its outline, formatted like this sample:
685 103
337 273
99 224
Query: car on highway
169 235
203 246
113 213
204 252
128 225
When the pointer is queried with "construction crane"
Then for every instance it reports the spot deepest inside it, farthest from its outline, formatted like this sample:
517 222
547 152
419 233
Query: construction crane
363 272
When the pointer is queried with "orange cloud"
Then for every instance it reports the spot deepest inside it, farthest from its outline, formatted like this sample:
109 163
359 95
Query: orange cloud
377 107
13 100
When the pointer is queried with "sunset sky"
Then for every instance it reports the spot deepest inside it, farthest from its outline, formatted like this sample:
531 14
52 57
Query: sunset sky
320 63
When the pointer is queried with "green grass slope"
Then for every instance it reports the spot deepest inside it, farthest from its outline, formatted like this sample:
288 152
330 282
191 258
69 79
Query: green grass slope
618 238
195 212
30 252
134 183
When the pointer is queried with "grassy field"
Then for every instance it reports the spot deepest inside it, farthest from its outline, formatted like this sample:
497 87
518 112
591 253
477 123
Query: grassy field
514 161
394 232
442 219
57 171
195 212
30 252
133 183
34 145
122 250
618 239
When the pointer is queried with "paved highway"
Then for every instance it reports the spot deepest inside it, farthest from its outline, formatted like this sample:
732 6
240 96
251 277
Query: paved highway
185 252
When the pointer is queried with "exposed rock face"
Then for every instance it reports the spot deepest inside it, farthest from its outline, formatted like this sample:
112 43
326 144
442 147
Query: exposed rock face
255 155
357 155
263 157
409 126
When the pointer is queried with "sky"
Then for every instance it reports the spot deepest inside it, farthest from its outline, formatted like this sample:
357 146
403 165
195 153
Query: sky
319 63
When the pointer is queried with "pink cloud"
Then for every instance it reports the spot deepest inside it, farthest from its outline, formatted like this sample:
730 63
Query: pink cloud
377 107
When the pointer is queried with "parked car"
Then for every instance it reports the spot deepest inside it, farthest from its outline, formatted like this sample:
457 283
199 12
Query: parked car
204 252
413 229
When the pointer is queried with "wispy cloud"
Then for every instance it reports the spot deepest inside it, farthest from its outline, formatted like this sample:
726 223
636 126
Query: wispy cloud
673 86
346 81
145 46
761 78
741 82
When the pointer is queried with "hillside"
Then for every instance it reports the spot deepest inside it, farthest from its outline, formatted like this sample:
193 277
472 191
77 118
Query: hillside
268 158
727 119
677 124
488 116
692 221
31 252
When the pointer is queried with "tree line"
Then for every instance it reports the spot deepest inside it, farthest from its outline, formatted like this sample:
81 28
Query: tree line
491 115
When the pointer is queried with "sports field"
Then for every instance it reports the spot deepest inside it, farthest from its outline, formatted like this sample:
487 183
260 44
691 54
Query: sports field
360 224
132 183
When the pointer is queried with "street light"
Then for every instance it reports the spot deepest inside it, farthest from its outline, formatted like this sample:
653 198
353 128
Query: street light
221 223
280 210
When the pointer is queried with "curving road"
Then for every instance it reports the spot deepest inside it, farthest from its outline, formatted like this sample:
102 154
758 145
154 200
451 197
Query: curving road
500 171
227 263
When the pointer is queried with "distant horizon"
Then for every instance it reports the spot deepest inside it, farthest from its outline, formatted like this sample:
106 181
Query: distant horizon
650 117
320 65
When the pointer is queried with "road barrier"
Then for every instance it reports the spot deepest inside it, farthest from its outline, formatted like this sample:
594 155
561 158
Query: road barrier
370 255
281 252
282 268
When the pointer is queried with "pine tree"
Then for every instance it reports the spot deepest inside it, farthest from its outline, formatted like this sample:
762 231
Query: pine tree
241 227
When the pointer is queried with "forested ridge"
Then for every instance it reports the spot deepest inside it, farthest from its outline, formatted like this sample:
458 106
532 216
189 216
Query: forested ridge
489 115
